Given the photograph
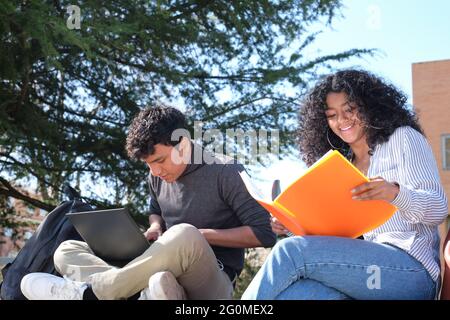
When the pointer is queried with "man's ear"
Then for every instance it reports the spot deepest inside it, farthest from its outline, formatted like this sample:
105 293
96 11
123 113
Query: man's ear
184 149
183 145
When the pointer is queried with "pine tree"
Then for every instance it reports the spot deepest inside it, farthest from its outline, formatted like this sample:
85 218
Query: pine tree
67 95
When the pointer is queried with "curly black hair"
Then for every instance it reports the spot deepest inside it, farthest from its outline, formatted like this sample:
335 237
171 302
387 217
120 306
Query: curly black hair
151 126
381 108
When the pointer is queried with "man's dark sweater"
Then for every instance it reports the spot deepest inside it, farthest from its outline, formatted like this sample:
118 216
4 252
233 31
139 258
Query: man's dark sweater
212 196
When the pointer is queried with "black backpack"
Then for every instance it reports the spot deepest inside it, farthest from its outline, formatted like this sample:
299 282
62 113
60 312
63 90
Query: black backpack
37 254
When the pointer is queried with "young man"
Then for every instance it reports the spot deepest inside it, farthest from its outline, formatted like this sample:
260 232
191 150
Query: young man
208 214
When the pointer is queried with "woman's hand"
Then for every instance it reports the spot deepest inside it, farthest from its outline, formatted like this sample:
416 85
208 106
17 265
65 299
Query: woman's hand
277 227
376 189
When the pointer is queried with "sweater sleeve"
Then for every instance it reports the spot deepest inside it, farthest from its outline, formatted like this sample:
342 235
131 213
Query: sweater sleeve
421 198
248 211
154 205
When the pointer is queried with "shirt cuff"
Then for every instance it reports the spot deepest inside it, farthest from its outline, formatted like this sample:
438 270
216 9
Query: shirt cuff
403 199
290 234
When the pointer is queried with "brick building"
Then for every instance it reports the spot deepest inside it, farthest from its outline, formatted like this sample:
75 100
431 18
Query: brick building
431 99
11 241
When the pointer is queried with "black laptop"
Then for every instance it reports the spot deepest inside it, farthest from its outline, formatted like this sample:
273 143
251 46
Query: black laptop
112 234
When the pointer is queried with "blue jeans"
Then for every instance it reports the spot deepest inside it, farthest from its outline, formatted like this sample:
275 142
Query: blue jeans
319 267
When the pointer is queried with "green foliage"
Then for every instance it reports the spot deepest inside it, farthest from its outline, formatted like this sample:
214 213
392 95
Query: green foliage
254 259
68 96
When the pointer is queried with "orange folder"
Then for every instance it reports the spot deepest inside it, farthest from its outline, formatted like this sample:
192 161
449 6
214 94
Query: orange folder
320 202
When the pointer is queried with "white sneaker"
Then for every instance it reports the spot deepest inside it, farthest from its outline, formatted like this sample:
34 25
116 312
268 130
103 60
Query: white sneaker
45 286
163 286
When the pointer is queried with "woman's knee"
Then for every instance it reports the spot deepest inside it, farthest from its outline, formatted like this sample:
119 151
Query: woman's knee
289 244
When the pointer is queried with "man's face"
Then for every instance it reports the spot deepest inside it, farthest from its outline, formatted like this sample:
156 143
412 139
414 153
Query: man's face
168 162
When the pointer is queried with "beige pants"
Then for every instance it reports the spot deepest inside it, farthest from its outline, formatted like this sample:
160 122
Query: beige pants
181 250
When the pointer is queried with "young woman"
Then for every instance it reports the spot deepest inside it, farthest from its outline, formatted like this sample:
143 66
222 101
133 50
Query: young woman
368 121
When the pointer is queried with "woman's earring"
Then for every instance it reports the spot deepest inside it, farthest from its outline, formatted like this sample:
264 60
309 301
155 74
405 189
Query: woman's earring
328 138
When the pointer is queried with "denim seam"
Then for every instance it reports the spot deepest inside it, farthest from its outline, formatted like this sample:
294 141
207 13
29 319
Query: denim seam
366 266
431 288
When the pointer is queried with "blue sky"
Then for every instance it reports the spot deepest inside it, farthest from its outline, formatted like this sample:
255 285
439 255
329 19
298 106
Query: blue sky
404 32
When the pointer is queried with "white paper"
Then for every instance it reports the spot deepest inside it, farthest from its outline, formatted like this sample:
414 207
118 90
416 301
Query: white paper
254 191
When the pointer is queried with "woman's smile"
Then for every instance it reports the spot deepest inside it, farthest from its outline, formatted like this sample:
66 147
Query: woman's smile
343 119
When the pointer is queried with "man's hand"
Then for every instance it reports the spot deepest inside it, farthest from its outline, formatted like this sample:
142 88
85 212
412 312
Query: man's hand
154 232
277 227
376 189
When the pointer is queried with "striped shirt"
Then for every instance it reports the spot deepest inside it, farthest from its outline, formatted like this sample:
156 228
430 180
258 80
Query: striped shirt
406 158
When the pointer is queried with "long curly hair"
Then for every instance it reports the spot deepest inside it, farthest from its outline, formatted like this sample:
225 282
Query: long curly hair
381 108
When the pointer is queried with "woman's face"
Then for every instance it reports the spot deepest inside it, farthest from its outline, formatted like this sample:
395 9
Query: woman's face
343 118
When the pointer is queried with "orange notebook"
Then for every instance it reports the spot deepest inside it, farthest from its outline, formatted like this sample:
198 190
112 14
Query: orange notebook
320 202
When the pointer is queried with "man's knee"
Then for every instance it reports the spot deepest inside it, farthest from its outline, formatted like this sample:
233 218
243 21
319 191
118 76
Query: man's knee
185 232
184 236
64 249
